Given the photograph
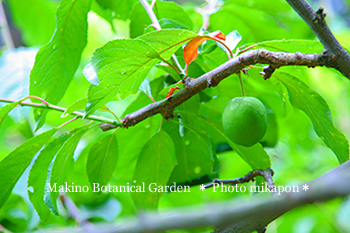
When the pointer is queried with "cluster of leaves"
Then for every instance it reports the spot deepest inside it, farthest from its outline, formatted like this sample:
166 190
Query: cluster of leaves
182 150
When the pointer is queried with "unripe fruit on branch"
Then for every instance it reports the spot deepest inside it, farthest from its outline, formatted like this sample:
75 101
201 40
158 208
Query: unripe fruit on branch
245 120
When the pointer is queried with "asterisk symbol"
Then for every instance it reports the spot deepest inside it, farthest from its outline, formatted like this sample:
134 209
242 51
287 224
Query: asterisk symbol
202 187
305 187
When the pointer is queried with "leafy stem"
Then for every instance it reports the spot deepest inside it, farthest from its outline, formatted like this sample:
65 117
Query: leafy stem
61 109
153 17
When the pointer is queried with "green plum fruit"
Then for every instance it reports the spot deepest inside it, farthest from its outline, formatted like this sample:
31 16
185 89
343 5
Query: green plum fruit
245 120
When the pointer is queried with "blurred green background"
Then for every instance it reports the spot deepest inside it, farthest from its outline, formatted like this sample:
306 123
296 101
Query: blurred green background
299 156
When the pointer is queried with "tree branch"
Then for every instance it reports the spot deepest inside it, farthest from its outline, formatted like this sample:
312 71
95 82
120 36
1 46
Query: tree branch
211 79
267 175
316 21
247 217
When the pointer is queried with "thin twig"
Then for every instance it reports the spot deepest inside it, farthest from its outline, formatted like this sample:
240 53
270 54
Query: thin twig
247 178
60 109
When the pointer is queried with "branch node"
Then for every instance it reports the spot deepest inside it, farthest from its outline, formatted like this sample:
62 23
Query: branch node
209 84
168 113
268 71
326 58
245 71
319 16
126 121
299 55
186 81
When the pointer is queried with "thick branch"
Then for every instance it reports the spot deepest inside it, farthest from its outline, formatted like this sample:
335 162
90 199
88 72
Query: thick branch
246 217
317 23
213 78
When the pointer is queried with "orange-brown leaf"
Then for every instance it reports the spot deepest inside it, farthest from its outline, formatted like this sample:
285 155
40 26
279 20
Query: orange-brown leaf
191 48
171 91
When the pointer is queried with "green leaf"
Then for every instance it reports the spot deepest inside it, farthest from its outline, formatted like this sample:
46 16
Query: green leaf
291 46
77 105
38 31
121 65
166 24
167 41
38 175
64 163
249 22
154 166
57 61
191 105
6 109
13 166
194 151
121 8
132 140
102 160
309 101
163 10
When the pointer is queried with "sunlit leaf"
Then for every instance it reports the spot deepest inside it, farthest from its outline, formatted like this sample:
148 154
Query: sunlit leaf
123 64
309 101
13 166
57 61
77 105
64 163
6 109
290 46
167 41
38 175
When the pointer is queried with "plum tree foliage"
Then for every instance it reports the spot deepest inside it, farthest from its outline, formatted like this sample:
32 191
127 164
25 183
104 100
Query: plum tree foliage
122 95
